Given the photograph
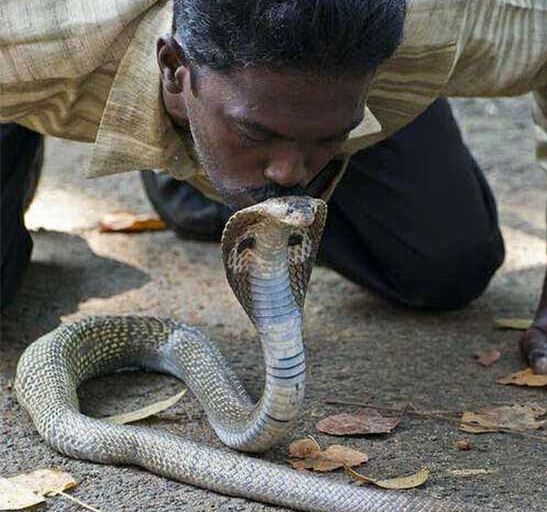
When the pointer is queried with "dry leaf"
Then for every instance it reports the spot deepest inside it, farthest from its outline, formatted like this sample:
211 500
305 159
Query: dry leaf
366 422
516 418
487 357
15 496
29 489
470 472
525 378
46 482
303 448
464 445
347 456
334 457
127 222
517 324
145 412
404 482
316 464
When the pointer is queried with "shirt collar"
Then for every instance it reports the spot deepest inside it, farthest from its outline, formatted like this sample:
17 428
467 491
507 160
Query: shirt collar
135 130
368 126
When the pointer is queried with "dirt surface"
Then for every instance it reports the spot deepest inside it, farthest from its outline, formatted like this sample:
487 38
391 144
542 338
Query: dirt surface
359 346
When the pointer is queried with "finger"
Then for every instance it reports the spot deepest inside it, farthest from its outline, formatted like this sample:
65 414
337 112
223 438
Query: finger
538 361
533 345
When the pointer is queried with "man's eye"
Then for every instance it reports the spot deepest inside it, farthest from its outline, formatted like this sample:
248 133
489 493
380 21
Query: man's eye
250 140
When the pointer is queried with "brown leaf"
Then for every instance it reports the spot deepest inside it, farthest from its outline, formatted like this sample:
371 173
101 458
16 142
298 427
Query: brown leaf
303 448
404 482
525 378
145 412
516 418
464 445
366 422
347 456
316 464
334 457
487 357
127 222
517 324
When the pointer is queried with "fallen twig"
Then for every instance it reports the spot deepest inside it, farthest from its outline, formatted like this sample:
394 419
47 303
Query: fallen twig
76 500
405 410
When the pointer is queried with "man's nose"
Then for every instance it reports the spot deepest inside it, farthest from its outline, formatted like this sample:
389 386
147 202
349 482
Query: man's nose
287 171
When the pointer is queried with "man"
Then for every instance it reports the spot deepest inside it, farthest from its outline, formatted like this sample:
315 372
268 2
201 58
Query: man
253 99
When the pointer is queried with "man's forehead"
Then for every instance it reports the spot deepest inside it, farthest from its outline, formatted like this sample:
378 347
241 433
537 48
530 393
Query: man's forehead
256 92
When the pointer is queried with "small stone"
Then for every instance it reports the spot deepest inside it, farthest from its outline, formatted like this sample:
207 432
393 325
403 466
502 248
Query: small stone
464 445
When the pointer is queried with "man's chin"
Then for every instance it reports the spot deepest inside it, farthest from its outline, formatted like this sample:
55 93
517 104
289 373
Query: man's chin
240 199
236 200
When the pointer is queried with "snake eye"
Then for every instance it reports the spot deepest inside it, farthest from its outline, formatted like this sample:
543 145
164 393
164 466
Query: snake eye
295 239
246 243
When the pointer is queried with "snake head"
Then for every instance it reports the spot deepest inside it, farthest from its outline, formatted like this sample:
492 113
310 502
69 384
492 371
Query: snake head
290 211
276 232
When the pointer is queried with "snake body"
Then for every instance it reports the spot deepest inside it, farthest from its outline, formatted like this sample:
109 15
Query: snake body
268 252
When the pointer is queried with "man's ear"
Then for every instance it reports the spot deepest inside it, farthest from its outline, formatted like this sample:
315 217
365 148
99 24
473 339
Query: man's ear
172 63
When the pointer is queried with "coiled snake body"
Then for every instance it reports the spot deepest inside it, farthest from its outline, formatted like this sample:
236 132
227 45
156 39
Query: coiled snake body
268 252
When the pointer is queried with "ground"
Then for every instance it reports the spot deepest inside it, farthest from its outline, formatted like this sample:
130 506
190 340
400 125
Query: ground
359 346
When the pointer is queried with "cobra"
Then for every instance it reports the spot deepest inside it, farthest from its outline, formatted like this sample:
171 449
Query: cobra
268 252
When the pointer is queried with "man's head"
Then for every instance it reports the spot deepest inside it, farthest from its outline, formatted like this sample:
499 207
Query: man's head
270 89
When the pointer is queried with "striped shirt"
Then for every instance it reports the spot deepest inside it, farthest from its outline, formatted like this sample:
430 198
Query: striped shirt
86 70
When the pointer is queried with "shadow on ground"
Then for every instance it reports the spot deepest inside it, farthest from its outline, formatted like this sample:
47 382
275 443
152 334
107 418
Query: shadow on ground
64 274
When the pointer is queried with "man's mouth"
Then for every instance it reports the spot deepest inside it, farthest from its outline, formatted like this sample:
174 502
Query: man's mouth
248 196
270 190
315 188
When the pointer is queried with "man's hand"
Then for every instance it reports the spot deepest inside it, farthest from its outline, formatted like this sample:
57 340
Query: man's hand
533 343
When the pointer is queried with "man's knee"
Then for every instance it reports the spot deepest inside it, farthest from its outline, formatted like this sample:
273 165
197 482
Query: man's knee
15 260
453 279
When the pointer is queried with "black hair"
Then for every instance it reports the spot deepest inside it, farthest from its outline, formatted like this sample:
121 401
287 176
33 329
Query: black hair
331 37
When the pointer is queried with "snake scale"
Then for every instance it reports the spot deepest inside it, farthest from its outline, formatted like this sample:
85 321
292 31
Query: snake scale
268 253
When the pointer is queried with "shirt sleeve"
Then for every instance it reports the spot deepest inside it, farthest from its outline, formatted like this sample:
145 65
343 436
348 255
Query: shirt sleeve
539 112
58 59
502 51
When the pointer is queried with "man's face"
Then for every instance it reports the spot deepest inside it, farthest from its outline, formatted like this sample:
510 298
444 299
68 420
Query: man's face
260 133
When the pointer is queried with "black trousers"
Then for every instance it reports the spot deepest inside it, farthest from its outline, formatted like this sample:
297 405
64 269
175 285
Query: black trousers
21 152
412 219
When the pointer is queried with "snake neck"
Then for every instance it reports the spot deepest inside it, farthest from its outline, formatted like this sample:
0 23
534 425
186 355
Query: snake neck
278 320
276 315
272 301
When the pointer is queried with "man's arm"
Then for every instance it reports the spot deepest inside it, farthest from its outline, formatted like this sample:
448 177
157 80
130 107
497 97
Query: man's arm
58 60
533 343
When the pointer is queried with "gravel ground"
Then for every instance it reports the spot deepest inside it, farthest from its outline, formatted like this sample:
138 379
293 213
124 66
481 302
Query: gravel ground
359 346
